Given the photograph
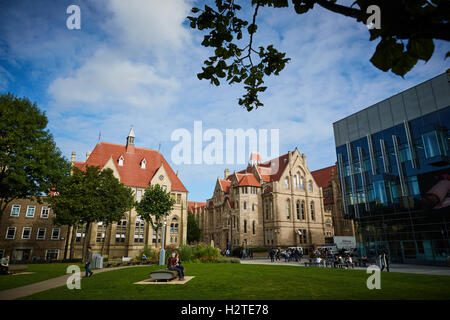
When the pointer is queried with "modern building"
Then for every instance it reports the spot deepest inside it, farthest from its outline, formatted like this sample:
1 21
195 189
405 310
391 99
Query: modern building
394 169
27 232
328 179
137 168
272 204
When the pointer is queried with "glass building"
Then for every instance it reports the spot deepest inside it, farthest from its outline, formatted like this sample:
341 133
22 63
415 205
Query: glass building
394 169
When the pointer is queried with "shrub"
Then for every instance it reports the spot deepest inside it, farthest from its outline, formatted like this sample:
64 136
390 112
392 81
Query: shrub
227 260
185 253
151 254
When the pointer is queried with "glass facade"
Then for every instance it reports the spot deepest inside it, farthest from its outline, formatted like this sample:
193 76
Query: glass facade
396 187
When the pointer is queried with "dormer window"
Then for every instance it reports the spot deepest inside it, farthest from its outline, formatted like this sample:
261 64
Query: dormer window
121 161
143 163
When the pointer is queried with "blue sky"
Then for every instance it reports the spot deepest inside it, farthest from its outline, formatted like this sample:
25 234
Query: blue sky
135 62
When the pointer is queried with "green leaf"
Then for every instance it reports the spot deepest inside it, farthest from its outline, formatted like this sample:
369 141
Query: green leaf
421 48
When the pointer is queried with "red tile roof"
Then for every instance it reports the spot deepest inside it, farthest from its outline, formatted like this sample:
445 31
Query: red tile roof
192 206
248 180
131 173
323 176
225 185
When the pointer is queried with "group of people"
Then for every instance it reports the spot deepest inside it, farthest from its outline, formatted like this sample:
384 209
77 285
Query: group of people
290 254
247 253
174 264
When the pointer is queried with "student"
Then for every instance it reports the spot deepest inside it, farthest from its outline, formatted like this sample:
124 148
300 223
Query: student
384 261
88 261
144 258
277 255
4 268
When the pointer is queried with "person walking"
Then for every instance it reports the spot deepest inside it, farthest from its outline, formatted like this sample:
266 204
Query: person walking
88 261
4 269
251 253
277 255
384 261
271 254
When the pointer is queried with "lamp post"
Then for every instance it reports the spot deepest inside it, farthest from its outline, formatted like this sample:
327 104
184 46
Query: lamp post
162 253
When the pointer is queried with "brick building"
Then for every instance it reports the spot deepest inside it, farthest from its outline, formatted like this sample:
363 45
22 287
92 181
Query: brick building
27 232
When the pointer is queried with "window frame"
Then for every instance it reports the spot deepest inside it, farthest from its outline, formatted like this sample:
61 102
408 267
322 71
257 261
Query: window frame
12 208
7 231
29 235
37 234
42 211
34 211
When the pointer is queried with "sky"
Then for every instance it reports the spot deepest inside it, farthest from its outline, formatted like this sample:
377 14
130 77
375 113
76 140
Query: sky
135 63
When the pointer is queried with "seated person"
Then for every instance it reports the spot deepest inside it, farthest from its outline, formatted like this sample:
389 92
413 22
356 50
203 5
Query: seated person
364 260
144 258
318 260
173 265
4 265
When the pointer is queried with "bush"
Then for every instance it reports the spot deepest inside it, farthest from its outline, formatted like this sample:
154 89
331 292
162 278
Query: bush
261 249
185 253
236 252
151 254
227 260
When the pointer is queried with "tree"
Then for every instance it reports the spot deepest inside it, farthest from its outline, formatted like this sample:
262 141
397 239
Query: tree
154 206
30 162
91 196
193 231
415 22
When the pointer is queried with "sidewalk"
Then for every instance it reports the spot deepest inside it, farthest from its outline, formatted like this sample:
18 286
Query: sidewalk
16 293
404 268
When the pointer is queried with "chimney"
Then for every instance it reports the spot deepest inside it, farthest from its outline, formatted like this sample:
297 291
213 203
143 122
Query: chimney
226 173
72 159
88 154
176 173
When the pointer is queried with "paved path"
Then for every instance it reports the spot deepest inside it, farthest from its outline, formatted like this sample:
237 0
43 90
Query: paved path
16 293
405 268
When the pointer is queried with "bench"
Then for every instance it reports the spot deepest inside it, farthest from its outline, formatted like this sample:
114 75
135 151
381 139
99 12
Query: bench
16 268
163 275
314 264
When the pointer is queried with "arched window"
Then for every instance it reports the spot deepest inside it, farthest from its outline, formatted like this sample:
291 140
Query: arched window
174 225
301 183
310 188
253 207
298 209
313 216
245 205
286 182
303 210
121 161
143 163
288 208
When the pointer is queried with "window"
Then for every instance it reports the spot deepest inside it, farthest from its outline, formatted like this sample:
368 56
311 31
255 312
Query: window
101 232
139 230
138 195
154 238
304 236
41 234
15 210
2 253
303 210
26 232
174 226
55 233
301 183
51 254
30 211
121 231
253 227
45 212
245 205
310 188
430 144
313 216
253 207
178 198
143 163
164 187
288 208
286 183
245 226
298 209
81 233
121 161
11 233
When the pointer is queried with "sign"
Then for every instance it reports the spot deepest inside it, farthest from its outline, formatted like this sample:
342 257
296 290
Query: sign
345 242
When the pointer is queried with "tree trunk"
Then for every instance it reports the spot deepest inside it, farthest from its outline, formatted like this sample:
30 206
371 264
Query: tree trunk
86 240
67 242
72 241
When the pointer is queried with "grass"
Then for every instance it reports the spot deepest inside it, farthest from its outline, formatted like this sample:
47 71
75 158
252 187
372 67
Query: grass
41 272
254 282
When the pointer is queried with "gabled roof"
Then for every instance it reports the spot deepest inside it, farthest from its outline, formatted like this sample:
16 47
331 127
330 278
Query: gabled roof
196 206
247 180
131 172
323 176
225 184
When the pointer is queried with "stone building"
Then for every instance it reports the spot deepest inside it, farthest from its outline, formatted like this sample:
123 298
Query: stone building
137 168
328 179
198 210
270 204
27 232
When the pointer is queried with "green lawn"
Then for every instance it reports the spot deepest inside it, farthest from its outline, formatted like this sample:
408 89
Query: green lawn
237 281
41 272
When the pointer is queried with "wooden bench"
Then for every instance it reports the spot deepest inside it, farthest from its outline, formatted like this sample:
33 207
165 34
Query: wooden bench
163 275
16 268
